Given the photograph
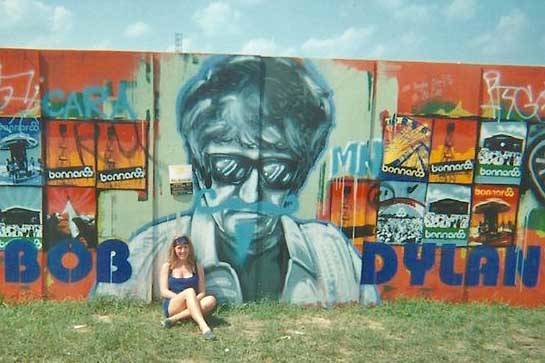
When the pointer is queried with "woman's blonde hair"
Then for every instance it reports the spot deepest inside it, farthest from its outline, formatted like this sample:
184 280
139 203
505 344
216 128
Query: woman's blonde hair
172 258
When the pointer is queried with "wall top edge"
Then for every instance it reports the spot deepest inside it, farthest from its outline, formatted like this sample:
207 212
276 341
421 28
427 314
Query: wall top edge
136 51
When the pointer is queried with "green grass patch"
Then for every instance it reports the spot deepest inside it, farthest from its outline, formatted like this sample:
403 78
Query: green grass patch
107 330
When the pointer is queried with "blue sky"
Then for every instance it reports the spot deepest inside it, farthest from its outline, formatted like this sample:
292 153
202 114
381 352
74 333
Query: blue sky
469 31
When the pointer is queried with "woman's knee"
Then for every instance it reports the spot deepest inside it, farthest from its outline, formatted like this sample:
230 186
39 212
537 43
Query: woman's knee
213 300
209 302
189 292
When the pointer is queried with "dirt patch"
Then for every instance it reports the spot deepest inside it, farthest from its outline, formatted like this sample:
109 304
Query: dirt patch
314 322
249 328
104 318
528 342
191 360
253 328
498 347
371 324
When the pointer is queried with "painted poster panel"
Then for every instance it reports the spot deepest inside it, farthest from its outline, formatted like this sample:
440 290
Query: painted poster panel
70 242
122 155
447 214
19 83
70 153
21 215
354 208
20 151
452 157
401 212
97 85
406 148
494 213
501 148
71 214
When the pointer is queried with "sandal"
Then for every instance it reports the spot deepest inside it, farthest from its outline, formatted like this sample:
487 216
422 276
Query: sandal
209 335
167 323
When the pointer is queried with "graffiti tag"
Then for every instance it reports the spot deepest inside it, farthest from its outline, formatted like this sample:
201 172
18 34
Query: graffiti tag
11 91
86 104
517 102
357 159
423 91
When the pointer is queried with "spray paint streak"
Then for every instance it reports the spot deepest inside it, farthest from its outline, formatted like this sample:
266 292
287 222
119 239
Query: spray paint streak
291 204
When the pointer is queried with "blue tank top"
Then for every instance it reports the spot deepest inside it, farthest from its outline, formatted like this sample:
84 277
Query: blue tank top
179 284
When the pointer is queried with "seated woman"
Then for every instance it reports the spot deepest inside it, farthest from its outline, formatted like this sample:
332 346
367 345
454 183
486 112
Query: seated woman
181 278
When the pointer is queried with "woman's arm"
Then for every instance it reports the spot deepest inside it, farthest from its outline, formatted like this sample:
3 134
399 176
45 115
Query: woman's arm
163 283
202 282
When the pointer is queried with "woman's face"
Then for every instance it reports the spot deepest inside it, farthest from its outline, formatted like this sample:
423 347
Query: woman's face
182 251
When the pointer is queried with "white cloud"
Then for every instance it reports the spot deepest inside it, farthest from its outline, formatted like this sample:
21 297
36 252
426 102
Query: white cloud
461 9
407 11
350 43
32 22
62 19
218 18
137 30
34 15
506 37
263 46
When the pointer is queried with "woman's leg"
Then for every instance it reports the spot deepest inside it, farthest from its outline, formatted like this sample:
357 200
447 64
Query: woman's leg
194 307
208 303
188 298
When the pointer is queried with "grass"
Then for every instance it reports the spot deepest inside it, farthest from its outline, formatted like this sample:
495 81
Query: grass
402 331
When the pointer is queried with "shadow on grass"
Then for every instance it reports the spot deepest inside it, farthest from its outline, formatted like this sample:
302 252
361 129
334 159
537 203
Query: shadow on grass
215 321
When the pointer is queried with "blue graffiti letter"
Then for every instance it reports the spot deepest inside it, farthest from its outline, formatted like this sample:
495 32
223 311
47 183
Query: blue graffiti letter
527 267
21 253
489 269
419 266
446 271
93 97
48 112
54 261
122 103
72 104
112 262
389 259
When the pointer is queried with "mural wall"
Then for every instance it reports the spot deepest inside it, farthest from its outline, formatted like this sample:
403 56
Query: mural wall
313 180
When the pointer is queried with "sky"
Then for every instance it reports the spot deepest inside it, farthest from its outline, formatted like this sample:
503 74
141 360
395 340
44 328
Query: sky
467 31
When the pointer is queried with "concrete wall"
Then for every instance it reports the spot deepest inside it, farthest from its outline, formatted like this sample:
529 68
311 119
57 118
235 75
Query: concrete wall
314 181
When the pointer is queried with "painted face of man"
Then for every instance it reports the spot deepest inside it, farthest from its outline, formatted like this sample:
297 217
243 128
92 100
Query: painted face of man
250 184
